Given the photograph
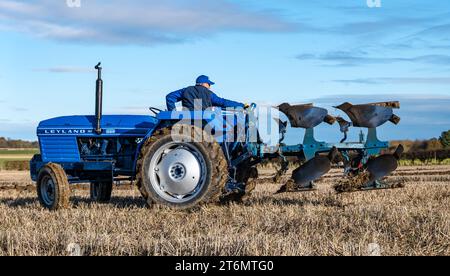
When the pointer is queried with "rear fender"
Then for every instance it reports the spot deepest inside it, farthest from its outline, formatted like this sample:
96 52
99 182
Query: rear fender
168 119
149 134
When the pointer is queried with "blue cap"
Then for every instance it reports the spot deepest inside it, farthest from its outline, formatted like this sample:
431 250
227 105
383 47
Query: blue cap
204 79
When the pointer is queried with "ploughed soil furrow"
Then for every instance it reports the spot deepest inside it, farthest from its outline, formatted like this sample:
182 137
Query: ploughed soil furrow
412 177
400 173
410 221
439 177
426 178
422 173
20 180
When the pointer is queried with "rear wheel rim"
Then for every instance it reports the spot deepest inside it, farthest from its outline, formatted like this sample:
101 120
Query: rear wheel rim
48 188
177 172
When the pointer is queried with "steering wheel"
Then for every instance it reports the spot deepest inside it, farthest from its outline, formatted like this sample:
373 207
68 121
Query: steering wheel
155 110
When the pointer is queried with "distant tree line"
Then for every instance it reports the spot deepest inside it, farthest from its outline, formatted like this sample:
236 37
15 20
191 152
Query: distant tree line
435 144
445 139
17 144
425 155
438 149
418 145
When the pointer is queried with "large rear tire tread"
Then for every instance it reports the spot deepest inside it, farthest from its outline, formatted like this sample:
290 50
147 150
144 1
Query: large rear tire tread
213 155
62 189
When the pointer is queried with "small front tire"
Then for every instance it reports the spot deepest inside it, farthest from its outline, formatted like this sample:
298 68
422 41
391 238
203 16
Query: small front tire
53 187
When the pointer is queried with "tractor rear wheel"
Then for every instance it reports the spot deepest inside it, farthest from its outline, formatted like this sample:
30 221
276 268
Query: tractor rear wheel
177 171
53 187
101 191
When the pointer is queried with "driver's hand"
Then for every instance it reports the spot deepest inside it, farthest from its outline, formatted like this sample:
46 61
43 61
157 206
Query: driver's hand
247 106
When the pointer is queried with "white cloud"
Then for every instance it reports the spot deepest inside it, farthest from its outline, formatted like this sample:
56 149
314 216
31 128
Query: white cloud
414 80
357 58
65 69
134 22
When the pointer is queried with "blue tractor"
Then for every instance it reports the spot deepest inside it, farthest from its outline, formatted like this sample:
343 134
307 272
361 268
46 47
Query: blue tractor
171 168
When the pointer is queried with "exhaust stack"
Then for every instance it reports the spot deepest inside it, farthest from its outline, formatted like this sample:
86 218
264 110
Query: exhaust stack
98 99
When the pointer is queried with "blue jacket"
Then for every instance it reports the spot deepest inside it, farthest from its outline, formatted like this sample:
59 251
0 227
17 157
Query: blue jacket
188 96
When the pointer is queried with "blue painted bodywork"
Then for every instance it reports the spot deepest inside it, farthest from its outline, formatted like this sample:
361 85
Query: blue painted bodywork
113 125
59 139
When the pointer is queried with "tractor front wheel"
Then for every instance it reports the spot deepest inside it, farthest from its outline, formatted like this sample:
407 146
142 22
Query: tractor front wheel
53 187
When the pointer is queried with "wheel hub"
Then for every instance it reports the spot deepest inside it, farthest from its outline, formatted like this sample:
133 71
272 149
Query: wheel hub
179 172
48 190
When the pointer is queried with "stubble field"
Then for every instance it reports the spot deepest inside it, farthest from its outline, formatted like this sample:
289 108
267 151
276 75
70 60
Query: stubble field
411 221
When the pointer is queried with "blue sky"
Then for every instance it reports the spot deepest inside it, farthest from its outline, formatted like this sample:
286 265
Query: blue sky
296 51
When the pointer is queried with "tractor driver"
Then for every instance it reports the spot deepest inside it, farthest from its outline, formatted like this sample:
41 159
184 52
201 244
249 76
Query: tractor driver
201 91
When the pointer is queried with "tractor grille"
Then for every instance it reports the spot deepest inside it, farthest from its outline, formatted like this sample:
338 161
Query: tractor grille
59 149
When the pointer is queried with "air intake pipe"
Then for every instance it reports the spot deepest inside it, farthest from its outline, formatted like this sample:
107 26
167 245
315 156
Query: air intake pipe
98 99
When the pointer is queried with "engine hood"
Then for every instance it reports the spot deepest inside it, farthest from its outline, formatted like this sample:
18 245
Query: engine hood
111 124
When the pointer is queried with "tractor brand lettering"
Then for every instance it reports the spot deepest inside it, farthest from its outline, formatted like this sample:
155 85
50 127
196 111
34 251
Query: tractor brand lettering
66 131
